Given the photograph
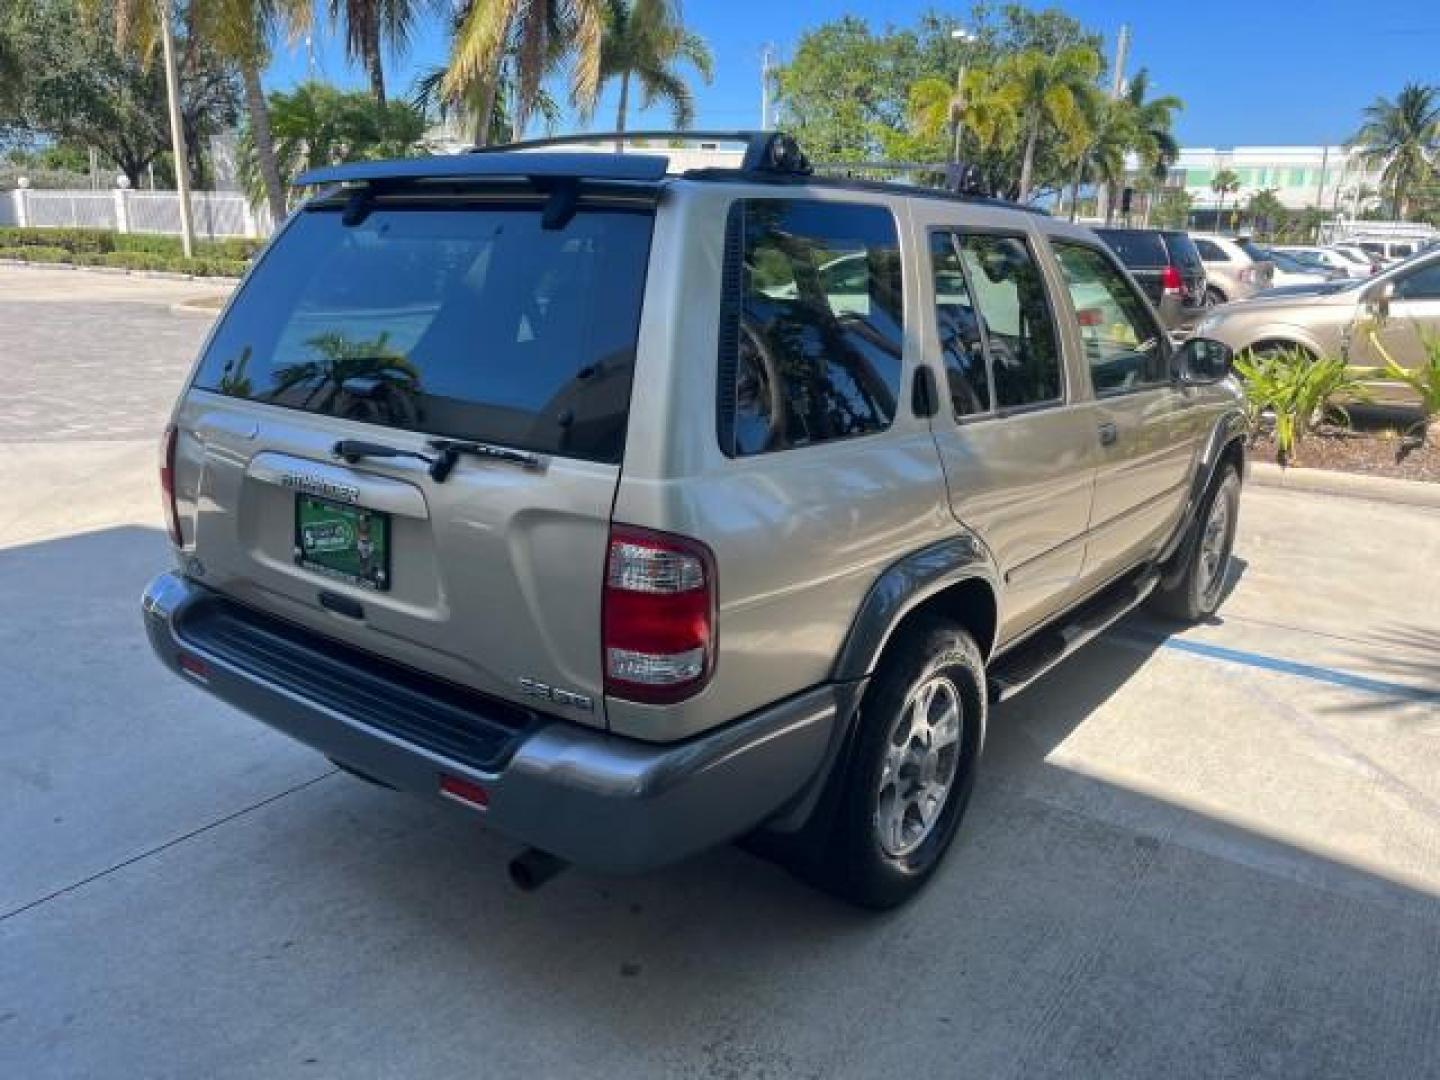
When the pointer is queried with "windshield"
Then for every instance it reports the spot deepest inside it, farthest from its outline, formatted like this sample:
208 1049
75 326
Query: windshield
471 323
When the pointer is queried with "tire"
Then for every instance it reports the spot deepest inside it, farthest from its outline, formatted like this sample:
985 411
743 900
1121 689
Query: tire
892 827
1197 593
1214 297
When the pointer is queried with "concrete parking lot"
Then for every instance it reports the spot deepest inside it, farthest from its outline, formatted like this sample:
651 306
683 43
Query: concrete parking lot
1213 853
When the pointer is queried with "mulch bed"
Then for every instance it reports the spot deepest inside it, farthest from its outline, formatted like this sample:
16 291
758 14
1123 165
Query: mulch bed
1385 452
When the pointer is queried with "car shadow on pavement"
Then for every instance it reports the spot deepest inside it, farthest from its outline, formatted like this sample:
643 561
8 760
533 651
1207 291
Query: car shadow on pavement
1079 925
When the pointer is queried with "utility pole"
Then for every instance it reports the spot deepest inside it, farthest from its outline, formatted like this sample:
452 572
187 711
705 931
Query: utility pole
957 107
1122 54
1117 87
1320 189
177 129
767 74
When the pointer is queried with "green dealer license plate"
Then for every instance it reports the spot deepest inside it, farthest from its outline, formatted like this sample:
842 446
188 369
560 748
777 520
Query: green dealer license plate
348 543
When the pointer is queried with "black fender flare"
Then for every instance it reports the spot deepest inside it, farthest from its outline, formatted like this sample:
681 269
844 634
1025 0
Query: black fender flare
800 829
903 586
1229 429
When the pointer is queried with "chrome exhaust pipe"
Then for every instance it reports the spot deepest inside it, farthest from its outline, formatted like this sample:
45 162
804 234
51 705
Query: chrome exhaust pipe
532 868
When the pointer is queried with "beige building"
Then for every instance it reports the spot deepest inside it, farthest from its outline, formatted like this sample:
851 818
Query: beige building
1328 177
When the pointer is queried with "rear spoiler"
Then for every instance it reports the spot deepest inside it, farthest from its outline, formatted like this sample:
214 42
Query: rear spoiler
533 167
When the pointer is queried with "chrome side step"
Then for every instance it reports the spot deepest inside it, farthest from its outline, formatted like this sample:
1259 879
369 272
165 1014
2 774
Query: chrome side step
1016 670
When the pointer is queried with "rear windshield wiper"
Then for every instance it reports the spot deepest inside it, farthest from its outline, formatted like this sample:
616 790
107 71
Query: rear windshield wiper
352 450
448 452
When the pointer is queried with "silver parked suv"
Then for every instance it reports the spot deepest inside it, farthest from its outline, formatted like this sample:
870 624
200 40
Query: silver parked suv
634 512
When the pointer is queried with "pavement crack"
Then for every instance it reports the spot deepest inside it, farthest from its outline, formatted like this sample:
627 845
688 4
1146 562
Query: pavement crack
167 845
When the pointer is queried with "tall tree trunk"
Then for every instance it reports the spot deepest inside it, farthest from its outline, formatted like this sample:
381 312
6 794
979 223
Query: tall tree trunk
489 94
376 71
1075 182
1027 163
264 144
620 111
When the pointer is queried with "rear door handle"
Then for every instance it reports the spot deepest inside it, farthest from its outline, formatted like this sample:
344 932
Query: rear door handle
1109 433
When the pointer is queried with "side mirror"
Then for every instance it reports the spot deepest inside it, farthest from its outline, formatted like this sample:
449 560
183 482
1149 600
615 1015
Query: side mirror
1202 361
1379 297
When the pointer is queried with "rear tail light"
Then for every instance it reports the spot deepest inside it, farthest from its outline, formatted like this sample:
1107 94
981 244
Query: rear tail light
1170 279
659 616
167 485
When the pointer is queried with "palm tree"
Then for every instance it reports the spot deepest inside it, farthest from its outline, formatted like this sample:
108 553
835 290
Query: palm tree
1403 136
1223 183
539 34
1151 122
241 31
643 40
368 24
1045 89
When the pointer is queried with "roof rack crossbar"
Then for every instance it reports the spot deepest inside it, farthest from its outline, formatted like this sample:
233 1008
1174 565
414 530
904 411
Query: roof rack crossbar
765 151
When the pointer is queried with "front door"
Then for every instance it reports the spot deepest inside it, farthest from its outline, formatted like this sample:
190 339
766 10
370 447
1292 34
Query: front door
1148 427
1414 315
1019 454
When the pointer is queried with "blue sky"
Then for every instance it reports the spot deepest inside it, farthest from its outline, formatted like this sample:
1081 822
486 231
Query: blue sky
1258 71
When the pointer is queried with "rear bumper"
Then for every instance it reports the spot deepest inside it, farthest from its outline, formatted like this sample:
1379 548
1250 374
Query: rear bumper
597 800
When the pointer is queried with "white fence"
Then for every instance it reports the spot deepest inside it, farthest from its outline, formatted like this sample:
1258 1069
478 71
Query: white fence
216 214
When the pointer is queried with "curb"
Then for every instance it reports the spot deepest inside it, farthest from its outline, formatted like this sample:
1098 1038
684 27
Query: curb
158 275
1348 485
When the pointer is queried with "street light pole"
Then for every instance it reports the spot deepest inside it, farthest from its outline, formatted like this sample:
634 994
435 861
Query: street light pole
177 129
965 37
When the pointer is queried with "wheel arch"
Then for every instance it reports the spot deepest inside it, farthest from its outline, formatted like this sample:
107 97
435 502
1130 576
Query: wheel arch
1225 446
956 578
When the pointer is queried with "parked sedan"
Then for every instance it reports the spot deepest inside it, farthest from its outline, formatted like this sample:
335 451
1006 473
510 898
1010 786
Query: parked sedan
1400 306
1326 260
1290 270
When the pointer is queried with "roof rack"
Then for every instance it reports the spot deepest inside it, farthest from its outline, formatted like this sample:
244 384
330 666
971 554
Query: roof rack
765 151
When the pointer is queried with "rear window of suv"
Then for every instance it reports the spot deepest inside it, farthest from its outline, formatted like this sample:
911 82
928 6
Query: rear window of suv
1183 249
1136 247
472 323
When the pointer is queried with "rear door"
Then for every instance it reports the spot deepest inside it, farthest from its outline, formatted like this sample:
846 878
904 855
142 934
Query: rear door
1149 426
427 320
1019 450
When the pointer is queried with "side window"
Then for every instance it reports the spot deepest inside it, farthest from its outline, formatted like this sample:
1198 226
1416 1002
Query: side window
1211 251
1014 320
1123 345
966 368
1423 283
813 333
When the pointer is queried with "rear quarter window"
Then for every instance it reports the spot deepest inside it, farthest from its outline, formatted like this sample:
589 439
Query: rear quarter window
812 324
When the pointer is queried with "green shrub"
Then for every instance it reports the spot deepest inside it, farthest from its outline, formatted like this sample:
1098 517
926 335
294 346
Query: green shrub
1298 390
69 239
34 253
136 260
104 242
199 266
1424 379
231 250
